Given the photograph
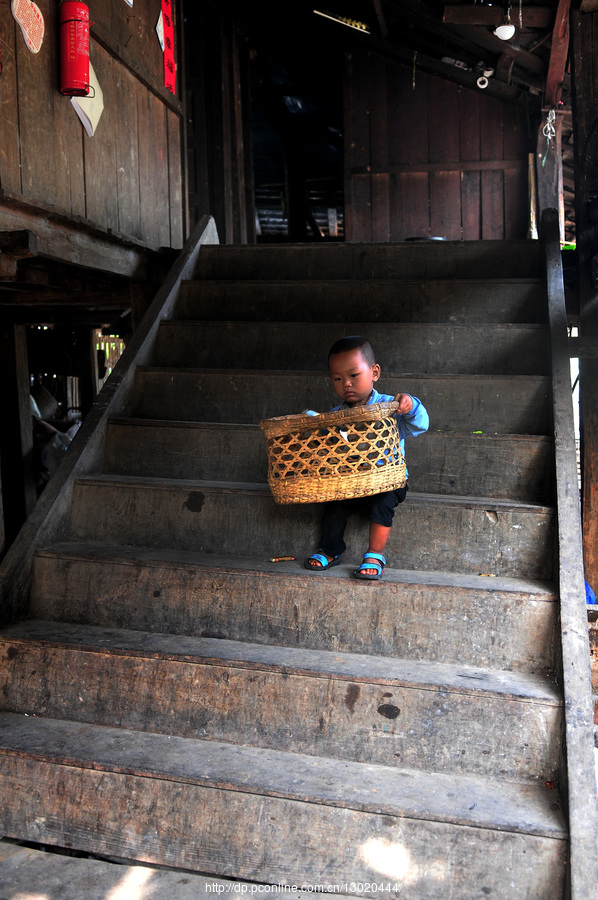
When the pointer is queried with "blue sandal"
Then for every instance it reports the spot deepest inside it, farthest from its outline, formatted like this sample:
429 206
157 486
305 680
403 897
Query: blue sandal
325 563
379 567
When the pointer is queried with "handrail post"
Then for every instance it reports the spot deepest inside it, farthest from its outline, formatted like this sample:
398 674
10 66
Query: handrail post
579 764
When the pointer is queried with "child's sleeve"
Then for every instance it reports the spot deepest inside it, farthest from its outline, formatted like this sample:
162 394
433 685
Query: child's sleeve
415 422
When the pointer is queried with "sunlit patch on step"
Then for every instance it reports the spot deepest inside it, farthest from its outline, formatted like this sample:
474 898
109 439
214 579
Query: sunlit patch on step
393 860
133 886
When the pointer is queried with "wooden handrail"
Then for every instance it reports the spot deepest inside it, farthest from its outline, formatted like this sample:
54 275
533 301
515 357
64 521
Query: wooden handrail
579 778
48 522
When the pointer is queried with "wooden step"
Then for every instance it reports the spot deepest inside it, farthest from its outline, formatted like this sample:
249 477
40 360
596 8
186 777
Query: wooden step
486 403
469 300
391 712
513 467
407 260
273 816
469 535
41 873
428 349
498 622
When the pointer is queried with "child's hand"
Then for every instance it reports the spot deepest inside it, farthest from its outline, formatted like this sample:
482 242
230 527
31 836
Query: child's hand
405 403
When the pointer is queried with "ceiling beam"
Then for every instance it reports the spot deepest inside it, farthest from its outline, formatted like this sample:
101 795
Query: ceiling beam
558 55
531 16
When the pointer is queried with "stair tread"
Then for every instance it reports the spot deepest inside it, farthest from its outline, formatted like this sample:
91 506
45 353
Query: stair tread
294 373
137 421
358 326
490 503
156 557
493 279
457 799
353 667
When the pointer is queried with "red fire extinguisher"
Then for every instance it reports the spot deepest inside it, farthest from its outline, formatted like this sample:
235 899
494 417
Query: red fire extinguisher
74 48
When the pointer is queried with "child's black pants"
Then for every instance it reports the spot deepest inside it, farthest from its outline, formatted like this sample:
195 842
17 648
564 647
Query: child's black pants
378 507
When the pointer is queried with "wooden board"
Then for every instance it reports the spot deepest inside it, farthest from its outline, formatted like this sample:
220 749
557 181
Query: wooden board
504 466
427 349
363 708
509 623
455 402
38 872
96 179
469 300
468 535
450 140
202 835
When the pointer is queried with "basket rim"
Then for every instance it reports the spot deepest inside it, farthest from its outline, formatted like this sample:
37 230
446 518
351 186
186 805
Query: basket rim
281 424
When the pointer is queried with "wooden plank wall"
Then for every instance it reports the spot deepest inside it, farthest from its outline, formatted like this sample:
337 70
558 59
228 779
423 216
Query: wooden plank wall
426 157
128 177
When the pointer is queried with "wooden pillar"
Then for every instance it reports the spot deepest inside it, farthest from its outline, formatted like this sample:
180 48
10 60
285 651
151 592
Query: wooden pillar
549 166
16 435
584 34
86 367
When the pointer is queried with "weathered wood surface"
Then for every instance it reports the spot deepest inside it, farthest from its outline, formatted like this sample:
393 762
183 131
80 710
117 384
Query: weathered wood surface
39 873
515 467
358 707
517 808
509 623
62 238
386 261
94 178
584 41
430 200
389 300
577 682
49 517
200 835
491 349
516 405
497 537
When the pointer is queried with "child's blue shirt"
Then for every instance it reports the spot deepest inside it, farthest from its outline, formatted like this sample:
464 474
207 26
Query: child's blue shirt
410 424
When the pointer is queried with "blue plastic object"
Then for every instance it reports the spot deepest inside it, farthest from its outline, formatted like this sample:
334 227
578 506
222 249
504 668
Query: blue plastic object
590 595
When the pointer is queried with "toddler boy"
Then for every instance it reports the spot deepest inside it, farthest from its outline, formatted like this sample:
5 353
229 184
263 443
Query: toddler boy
353 371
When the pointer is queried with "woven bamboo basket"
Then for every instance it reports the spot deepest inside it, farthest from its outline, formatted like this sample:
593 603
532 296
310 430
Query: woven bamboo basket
334 456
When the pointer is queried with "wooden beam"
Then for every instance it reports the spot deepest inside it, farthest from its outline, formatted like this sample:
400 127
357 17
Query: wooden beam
576 676
558 55
488 41
380 16
73 240
15 245
584 28
532 17
549 165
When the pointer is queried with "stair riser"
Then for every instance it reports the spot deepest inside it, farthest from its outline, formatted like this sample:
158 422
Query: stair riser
450 624
427 535
446 349
487 404
270 839
391 724
516 468
345 301
434 259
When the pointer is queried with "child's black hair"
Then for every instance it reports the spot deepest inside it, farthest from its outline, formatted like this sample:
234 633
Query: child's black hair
354 342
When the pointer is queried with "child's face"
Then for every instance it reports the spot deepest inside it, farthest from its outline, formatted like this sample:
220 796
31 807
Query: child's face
352 377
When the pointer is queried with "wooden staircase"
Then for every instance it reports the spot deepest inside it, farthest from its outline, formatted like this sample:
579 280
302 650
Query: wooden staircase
178 698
